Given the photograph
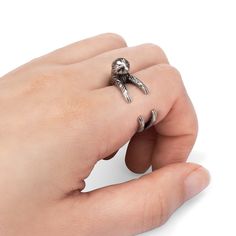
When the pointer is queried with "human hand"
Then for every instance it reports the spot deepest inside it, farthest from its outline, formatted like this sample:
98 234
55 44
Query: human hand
59 117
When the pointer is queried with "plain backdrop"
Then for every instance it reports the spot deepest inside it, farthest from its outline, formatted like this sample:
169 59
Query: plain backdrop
199 39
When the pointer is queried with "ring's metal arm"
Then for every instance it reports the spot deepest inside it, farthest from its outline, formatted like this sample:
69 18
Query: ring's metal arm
142 125
137 82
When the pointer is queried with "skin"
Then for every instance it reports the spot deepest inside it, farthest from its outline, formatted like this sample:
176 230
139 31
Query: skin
59 117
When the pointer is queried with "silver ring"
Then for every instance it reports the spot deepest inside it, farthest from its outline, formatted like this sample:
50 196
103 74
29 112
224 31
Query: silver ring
141 123
120 76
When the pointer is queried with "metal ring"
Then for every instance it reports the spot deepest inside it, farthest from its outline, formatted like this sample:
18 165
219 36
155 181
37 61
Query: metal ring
141 123
120 76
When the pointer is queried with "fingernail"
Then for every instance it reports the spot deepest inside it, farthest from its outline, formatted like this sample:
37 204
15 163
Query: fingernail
196 181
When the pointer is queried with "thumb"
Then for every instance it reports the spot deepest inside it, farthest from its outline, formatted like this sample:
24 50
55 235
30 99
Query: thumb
142 204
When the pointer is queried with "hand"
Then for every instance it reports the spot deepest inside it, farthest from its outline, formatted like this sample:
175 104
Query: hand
59 117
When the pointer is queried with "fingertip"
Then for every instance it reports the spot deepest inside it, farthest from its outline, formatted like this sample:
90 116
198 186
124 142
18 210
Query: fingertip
136 167
196 181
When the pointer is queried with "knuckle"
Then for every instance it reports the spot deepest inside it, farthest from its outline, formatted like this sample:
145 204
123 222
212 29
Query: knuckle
176 85
163 213
172 77
192 124
157 216
193 128
154 216
174 73
116 39
156 50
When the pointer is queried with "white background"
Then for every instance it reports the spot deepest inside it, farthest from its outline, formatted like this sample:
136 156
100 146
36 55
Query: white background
199 39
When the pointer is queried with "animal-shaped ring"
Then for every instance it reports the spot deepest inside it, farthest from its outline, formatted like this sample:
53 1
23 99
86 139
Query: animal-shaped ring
119 77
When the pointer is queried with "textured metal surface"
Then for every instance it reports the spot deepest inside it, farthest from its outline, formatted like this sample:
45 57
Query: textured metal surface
141 123
120 76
